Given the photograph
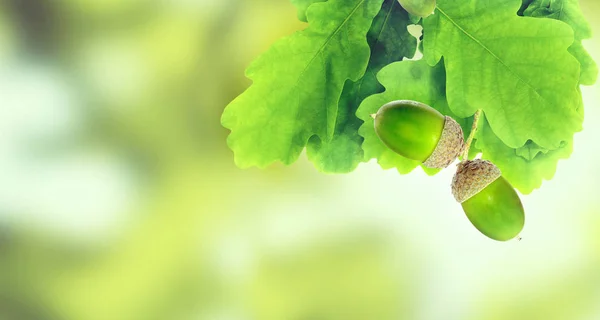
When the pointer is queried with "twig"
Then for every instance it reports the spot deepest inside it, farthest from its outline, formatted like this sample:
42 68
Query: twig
474 128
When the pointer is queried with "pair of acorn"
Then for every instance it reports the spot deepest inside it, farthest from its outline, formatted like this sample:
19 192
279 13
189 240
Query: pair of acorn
419 132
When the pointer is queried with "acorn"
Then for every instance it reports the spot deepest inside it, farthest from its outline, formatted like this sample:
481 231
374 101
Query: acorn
417 131
419 8
489 201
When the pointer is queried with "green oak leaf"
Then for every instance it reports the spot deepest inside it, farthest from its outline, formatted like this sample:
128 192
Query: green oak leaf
516 69
389 41
302 6
406 80
568 11
531 163
524 173
298 82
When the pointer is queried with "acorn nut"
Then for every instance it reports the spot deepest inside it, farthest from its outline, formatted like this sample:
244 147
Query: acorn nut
417 131
489 201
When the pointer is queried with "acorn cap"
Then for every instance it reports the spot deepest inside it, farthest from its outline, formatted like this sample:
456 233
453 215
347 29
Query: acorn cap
449 147
471 177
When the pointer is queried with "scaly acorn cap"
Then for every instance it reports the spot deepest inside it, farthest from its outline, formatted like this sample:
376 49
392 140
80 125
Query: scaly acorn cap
451 144
471 177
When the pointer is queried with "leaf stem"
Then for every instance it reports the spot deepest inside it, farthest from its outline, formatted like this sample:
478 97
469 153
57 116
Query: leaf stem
474 128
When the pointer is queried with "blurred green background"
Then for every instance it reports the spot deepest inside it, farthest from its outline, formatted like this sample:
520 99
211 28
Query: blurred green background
119 199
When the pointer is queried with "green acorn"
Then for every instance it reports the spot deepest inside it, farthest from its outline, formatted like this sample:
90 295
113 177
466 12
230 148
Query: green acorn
419 132
489 201
419 8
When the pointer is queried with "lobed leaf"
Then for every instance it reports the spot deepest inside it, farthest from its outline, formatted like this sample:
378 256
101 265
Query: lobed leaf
516 69
524 173
525 167
298 82
389 41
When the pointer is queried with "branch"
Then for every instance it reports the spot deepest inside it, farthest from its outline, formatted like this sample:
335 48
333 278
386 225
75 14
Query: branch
474 128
